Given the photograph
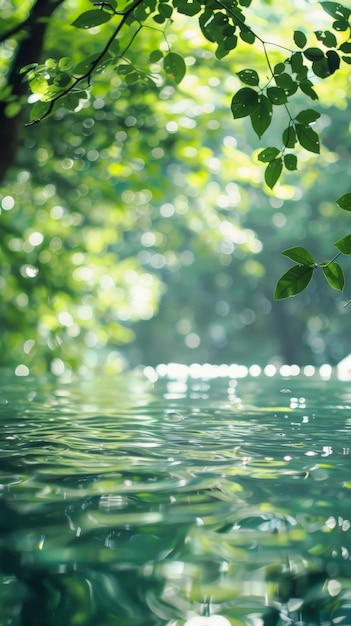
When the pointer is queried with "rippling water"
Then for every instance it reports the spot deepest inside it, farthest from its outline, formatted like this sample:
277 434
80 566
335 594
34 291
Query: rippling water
137 502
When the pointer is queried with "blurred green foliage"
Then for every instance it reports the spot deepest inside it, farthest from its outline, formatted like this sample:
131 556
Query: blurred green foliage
139 228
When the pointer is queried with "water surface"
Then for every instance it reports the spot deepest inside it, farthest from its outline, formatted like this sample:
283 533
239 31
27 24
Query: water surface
137 502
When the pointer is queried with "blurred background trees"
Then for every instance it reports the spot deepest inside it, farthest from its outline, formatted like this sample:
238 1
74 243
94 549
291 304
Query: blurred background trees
139 229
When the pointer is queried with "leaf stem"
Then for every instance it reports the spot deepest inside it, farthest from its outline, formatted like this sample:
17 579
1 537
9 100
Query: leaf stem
329 262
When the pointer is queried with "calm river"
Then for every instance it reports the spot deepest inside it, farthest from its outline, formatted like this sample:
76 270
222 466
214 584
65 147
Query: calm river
190 499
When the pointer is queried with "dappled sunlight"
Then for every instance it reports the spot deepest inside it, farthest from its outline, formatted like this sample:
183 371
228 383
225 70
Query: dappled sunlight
237 371
150 206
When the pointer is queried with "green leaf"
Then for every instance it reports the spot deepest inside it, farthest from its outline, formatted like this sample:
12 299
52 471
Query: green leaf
290 162
221 50
248 36
344 202
89 63
307 138
341 25
155 56
159 19
111 3
279 68
166 10
345 47
244 102
287 82
12 109
333 61
347 60
307 87
284 80
92 18
249 77
334 276
213 24
70 101
300 38
313 54
132 77
125 68
276 95
262 116
293 281
188 8
273 171
174 66
268 154
301 76
230 42
327 38
289 137
336 10
32 66
308 116
228 30
38 84
296 62
205 20
321 68
51 93
344 245
50 64
300 255
62 80
64 64
38 110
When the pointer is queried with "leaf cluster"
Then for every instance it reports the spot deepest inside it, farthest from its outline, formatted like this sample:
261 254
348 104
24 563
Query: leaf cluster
225 24
299 276
305 65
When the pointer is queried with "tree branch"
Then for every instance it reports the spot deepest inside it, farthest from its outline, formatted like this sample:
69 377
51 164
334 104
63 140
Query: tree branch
29 49
94 64
16 29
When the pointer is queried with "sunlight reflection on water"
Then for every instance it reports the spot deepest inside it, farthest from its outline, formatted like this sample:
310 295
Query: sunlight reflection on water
174 494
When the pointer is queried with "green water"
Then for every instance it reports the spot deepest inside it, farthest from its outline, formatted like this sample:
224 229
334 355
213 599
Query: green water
131 502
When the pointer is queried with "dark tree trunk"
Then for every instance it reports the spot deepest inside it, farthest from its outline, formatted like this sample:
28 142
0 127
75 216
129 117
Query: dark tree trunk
31 35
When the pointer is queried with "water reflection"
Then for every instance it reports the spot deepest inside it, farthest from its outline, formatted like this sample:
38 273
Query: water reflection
149 500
